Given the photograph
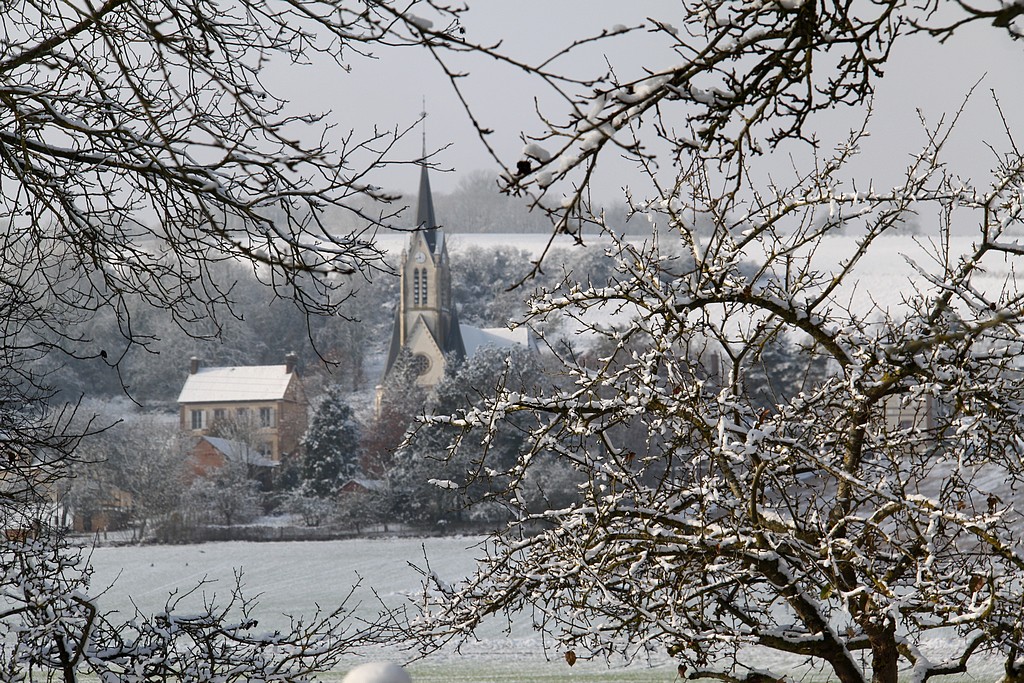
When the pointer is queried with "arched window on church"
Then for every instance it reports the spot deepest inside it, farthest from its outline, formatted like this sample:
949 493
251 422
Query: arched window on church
416 286
423 281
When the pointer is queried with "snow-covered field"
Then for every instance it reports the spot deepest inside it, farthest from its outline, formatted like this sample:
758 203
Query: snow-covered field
289 577
295 578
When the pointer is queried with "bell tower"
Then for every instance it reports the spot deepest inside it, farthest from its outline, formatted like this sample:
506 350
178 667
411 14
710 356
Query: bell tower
426 321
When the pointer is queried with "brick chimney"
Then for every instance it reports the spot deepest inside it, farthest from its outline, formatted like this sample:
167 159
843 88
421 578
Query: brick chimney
193 365
289 363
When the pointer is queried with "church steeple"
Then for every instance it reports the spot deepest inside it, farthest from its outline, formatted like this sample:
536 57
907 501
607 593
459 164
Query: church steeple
426 320
425 219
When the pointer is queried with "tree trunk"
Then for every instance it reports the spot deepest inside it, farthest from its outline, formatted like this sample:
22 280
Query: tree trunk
884 655
1013 669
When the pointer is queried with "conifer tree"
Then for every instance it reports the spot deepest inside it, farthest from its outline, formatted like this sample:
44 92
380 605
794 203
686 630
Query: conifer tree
331 446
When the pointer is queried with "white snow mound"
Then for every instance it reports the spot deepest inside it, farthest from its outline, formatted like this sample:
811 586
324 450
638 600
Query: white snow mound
377 672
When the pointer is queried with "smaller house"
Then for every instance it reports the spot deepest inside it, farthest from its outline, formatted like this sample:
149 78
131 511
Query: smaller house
212 452
264 403
105 508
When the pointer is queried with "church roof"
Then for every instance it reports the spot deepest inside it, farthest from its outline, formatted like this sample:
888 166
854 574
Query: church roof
453 340
425 219
476 338
396 340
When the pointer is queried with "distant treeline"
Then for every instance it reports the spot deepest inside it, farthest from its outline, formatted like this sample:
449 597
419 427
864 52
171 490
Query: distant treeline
263 327
477 205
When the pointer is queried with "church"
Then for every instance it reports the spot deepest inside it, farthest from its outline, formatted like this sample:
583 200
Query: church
426 318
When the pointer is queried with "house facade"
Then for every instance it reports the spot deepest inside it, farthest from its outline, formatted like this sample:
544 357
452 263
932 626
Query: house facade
265 405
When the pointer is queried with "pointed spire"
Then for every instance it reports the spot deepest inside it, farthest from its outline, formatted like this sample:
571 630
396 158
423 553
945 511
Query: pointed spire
423 127
425 219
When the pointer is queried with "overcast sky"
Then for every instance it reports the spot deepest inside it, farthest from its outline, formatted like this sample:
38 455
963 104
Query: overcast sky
389 91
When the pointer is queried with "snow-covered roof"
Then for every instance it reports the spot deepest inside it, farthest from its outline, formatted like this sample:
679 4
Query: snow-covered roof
237 451
233 384
368 484
476 338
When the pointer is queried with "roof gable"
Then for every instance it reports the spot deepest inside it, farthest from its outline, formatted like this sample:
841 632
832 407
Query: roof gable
236 451
236 384
421 336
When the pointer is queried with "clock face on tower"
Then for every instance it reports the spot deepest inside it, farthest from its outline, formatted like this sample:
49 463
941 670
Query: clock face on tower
420 257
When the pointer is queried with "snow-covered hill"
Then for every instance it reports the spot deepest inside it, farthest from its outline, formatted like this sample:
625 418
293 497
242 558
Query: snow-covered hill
880 280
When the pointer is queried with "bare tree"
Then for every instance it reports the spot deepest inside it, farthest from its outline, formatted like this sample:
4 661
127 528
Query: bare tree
62 633
475 205
227 495
140 147
843 524
142 456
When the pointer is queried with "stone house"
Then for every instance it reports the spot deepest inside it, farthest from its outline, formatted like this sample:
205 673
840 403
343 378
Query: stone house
263 405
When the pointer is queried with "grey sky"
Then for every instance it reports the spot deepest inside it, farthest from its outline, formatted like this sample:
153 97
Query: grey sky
388 92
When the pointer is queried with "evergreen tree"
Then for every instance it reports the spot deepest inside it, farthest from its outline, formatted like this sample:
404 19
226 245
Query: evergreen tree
426 469
331 446
782 369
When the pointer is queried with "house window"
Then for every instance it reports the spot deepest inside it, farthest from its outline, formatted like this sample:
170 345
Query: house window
218 415
266 417
198 419
241 413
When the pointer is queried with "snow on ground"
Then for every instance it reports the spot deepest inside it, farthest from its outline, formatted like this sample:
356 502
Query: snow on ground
290 578
295 578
